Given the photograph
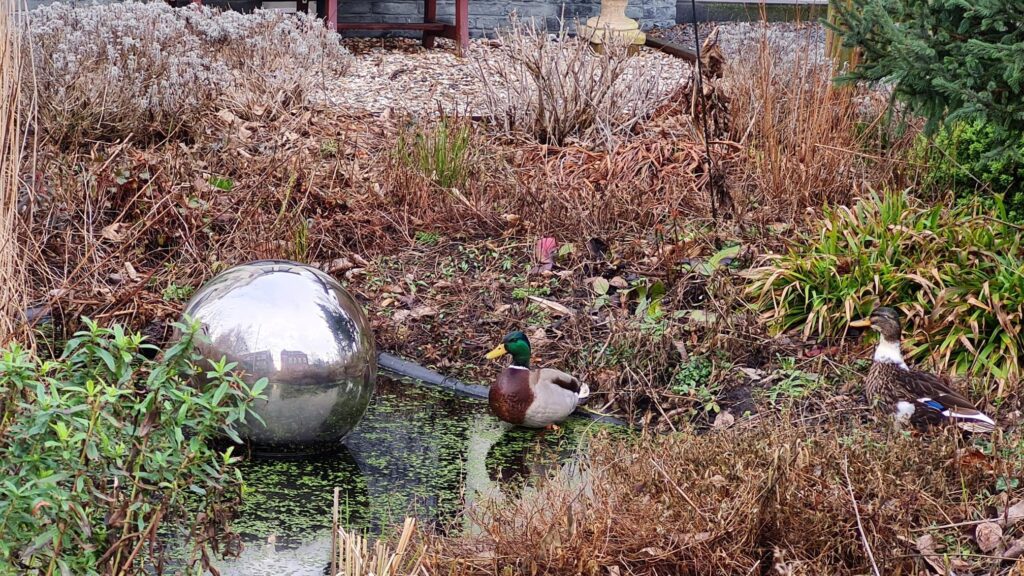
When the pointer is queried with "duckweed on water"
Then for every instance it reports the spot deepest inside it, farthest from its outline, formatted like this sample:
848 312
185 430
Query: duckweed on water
407 456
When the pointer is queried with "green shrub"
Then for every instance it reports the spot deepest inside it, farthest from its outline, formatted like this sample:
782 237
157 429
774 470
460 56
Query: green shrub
102 447
960 161
948 60
958 276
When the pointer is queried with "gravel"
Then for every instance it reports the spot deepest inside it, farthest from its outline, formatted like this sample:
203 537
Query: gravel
737 39
398 75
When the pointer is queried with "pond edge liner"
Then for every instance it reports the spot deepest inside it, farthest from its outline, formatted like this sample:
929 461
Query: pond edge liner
420 374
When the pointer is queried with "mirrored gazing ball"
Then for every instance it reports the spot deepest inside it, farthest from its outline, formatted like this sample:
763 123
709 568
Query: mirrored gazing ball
299 328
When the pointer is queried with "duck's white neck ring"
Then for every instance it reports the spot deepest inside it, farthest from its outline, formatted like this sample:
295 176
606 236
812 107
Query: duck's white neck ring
889 352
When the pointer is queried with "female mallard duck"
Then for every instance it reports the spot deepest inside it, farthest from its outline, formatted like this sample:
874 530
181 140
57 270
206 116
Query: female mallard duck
538 398
911 393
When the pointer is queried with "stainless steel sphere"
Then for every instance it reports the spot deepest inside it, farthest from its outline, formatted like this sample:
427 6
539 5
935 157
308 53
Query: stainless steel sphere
296 326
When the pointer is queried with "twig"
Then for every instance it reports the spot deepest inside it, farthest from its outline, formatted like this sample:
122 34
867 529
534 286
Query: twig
856 512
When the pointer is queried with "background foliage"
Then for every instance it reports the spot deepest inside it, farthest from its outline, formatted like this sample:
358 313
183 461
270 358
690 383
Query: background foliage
957 274
949 60
102 447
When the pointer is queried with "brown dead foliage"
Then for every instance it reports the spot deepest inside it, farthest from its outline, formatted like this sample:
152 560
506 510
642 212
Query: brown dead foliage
807 142
777 498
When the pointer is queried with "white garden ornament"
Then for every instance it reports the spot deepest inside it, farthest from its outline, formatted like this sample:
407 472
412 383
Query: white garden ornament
612 19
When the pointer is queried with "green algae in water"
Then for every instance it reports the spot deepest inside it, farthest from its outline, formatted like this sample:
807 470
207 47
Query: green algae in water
408 456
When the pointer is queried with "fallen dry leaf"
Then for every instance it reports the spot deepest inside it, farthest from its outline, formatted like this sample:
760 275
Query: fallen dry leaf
927 546
1015 550
228 116
553 306
988 535
681 349
114 232
751 373
1013 514
423 311
544 251
130 271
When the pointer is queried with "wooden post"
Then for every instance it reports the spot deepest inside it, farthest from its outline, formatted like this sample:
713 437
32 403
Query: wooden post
462 25
332 15
429 17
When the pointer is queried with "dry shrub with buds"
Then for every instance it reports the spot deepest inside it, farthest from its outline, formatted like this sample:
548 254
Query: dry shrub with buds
559 90
106 71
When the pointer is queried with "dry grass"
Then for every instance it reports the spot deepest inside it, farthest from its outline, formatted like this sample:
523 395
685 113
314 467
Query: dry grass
14 147
355 556
806 142
776 498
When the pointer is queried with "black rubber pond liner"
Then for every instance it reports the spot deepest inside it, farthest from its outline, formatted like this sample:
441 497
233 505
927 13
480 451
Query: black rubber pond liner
405 368
671 48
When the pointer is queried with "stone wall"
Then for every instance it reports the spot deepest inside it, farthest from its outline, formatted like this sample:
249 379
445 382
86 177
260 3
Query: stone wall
486 15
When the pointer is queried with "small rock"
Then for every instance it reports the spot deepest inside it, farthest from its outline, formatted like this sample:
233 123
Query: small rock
339 265
724 420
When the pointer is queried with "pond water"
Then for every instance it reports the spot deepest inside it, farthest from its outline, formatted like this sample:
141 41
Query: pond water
418 451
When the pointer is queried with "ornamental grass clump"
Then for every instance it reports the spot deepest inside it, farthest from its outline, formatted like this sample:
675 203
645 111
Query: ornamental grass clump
104 454
957 274
108 71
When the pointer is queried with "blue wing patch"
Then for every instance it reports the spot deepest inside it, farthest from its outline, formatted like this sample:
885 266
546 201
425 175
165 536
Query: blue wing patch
932 404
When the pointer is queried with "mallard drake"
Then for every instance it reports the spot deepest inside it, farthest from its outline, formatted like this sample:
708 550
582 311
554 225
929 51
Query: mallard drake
913 395
537 398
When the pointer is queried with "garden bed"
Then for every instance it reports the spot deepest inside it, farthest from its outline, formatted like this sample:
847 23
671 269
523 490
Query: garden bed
661 279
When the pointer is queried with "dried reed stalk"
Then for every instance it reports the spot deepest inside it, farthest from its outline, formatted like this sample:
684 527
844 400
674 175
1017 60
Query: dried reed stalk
13 149
356 557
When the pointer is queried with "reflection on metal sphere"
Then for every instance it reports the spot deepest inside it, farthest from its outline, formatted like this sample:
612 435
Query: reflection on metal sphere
300 329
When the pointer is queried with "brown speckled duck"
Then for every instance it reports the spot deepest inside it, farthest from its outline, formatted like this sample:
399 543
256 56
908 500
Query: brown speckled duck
913 395
538 398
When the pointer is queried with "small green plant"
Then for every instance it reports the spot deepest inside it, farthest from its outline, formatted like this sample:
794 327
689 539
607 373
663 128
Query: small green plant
177 293
222 183
441 152
524 292
957 274
102 446
793 384
299 248
693 379
329 148
427 238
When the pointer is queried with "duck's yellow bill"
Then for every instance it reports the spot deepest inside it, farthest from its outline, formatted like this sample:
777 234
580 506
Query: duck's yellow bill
863 323
497 352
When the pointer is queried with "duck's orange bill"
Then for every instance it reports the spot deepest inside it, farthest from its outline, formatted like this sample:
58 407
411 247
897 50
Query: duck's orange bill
497 352
864 323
